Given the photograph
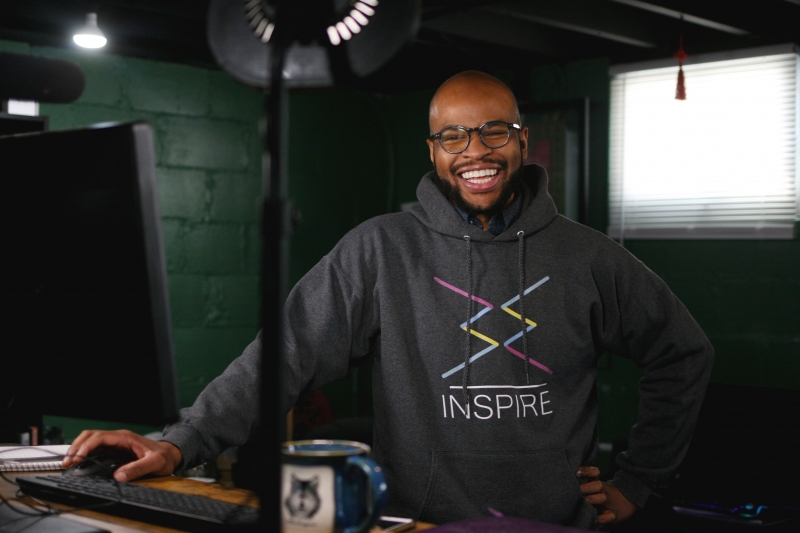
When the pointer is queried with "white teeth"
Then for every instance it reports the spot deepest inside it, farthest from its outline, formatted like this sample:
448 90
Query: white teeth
479 173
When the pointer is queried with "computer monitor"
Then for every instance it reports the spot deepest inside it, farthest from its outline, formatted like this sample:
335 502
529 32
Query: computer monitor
85 326
12 124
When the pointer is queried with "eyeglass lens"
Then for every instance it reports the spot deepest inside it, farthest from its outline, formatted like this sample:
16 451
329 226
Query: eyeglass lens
493 135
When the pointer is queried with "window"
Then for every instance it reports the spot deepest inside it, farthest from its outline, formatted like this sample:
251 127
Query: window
721 164
23 107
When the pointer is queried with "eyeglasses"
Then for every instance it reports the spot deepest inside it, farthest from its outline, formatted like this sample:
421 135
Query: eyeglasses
495 134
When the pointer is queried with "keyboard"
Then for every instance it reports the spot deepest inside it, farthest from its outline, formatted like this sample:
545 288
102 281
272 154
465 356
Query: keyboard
139 502
752 514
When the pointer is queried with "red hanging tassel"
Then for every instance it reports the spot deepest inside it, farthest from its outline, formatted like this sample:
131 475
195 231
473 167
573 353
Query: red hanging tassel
680 55
680 91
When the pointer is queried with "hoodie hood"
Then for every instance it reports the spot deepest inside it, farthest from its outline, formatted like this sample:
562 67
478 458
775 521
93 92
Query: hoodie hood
437 213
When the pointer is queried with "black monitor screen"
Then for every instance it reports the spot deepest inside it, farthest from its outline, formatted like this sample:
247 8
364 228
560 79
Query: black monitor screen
85 315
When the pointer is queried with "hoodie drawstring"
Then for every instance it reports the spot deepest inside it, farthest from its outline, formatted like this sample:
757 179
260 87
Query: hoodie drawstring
469 317
465 375
521 235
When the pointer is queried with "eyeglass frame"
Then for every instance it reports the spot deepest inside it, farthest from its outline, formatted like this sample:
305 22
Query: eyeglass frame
509 125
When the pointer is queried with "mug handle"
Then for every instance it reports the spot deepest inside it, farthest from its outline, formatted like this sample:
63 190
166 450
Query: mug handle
376 491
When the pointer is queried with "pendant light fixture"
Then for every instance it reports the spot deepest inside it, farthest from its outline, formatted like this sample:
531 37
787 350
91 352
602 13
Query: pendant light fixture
90 36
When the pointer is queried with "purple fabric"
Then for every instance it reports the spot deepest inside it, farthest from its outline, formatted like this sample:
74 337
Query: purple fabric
506 524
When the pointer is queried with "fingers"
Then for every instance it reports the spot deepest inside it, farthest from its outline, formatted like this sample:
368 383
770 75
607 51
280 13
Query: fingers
594 492
92 440
592 473
149 464
160 459
593 487
606 517
73 455
597 499
152 457
622 508
89 441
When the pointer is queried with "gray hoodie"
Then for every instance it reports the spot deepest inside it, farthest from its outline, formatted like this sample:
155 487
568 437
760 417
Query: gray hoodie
423 293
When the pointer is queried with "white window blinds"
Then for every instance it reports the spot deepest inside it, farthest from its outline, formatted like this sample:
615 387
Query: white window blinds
721 164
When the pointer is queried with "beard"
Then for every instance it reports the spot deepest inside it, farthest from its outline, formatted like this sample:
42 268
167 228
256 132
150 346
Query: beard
453 194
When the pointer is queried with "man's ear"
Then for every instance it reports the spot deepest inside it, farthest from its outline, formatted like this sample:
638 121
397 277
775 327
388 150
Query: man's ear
430 147
523 142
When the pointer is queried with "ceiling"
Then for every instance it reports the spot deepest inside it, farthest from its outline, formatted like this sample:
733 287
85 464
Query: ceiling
453 34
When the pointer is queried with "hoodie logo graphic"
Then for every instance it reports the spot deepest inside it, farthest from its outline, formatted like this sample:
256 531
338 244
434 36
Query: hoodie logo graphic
493 343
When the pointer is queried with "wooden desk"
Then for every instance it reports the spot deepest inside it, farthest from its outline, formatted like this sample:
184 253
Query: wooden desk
178 484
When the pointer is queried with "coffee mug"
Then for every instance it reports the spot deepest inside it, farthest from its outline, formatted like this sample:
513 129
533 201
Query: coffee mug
330 486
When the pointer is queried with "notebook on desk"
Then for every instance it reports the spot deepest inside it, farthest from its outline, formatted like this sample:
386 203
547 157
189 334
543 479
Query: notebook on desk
32 458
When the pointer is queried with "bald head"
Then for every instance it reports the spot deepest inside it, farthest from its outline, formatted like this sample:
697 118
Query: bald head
466 87
482 178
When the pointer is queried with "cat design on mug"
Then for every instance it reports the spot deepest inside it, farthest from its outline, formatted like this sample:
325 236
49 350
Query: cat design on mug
303 500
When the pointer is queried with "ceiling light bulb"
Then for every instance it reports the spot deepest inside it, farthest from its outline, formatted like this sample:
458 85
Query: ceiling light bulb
333 35
90 35
359 17
267 35
352 24
344 31
364 8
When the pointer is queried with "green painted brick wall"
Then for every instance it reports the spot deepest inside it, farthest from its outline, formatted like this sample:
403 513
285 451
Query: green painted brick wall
208 151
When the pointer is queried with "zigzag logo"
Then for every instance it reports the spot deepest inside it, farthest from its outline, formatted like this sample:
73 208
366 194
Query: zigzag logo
493 343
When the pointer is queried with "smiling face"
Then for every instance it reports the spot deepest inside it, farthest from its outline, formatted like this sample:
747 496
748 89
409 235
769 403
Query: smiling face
480 180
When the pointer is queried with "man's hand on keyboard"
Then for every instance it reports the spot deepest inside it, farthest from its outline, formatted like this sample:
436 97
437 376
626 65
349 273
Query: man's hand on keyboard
153 457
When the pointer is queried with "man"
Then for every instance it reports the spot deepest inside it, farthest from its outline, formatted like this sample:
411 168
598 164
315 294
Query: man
485 314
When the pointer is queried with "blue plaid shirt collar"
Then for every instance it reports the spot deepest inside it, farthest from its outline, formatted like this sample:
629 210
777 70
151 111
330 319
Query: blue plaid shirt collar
500 221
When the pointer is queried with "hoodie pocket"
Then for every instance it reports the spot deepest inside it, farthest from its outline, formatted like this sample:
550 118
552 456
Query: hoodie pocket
537 485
